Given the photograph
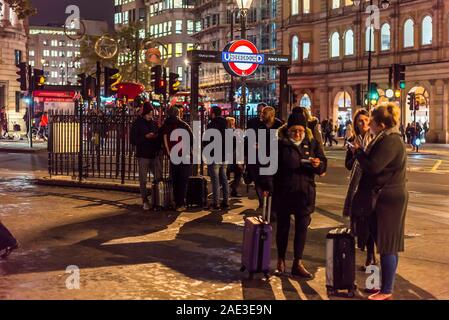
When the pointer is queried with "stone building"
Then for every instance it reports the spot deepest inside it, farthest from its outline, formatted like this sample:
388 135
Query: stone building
329 42
13 41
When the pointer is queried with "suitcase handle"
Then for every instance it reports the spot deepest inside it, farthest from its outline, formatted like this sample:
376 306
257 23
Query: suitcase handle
266 212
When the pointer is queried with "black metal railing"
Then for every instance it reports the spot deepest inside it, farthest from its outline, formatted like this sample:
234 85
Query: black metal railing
94 145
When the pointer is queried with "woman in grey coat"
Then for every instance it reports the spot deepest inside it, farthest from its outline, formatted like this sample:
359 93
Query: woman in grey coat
383 165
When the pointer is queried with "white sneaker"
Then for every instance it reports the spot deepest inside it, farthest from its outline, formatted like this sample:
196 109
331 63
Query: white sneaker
146 206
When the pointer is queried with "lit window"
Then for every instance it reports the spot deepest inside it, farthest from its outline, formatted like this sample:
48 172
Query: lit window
409 34
295 48
349 42
306 6
295 7
385 37
335 45
305 51
335 4
427 30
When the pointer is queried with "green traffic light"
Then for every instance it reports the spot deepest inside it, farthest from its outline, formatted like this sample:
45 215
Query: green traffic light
402 85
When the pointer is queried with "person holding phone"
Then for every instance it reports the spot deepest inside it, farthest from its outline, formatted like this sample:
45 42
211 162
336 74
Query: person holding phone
382 190
300 158
361 136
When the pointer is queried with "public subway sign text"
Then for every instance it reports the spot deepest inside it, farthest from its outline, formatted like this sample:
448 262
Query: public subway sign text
238 57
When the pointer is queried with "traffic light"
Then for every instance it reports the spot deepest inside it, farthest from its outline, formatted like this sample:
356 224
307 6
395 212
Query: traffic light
38 79
399 76
411 98
22 73
161 83
91 86
156 76
373 94
82 83
173 83
111 77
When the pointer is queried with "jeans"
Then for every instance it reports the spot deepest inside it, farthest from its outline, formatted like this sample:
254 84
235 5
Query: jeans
217 173
180 174
145 166
389 264
302 223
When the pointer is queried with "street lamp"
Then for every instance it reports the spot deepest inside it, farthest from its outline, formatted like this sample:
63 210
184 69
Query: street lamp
384 4
244 6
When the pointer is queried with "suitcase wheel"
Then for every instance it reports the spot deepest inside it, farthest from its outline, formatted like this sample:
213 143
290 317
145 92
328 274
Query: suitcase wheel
351 294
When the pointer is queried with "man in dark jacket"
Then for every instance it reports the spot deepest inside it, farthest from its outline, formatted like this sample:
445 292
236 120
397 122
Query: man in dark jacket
144 137
269 122
179 173
300 158
217 169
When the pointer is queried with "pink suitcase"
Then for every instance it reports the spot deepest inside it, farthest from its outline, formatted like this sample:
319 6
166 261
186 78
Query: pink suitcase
257 238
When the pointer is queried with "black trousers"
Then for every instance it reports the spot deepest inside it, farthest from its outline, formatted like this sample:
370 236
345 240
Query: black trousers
180 174
238 173
302 223
253 170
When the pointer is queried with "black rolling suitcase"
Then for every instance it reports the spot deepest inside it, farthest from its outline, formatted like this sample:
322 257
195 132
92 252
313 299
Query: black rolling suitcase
196 191
340 262
7 242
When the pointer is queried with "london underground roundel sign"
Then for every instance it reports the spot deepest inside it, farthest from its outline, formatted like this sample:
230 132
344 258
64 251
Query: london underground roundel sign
241 58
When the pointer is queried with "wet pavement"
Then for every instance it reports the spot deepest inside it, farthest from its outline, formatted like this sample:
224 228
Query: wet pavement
125 253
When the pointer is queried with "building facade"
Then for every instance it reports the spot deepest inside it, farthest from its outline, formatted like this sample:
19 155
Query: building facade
329 41
51 50
216 24
13 42
170 26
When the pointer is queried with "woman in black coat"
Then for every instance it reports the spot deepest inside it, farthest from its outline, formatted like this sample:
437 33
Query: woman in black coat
362 136
300 158
383 165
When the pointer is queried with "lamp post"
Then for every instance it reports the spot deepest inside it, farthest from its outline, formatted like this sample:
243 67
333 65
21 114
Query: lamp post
384 4
244 6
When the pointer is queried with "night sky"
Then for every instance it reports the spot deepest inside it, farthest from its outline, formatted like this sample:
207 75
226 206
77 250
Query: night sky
53 11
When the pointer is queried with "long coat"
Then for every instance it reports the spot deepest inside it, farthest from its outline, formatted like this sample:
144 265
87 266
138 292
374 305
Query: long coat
294 182
385 167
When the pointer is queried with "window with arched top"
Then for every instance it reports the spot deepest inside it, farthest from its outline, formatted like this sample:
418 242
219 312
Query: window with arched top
305 102
427 31
335 45
409 34
385 37
295 7
295 48
369 39
349 42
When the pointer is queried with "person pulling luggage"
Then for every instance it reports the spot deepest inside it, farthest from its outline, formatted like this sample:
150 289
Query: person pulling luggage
300 158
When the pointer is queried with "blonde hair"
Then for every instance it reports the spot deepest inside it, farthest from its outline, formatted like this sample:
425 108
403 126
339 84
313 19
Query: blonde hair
230 121
388 113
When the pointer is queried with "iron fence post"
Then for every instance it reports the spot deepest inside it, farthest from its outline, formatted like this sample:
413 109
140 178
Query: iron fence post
80 151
